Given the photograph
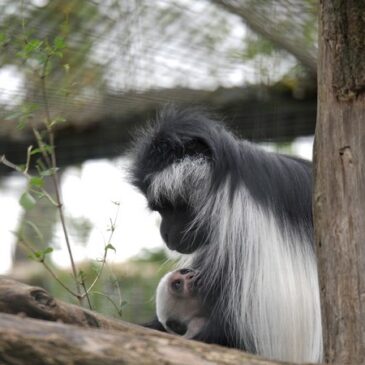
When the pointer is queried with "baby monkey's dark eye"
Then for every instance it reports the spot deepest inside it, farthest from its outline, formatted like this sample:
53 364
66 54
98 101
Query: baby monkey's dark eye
177 285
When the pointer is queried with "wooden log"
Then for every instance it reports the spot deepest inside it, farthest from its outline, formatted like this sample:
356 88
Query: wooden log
30 341
95 340
35 302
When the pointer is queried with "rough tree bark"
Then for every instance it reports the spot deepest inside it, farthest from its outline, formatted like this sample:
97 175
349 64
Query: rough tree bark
339 198
36 342
92 338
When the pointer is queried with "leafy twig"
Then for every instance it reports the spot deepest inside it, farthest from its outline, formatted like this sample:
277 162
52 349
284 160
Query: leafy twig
52 164
26 169
6 162
25 172
119 310
29 247
107 247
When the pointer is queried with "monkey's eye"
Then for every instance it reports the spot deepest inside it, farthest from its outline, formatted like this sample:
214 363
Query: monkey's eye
177 285
154 206
161 205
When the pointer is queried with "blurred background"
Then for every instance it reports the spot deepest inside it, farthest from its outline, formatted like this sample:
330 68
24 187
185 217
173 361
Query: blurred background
251 62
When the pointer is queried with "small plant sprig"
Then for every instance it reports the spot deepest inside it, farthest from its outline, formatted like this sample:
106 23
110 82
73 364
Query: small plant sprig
44 53
41 57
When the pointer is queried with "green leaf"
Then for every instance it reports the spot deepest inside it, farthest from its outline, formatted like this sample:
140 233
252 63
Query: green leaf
22 54
49 172
45 148
32 45
35 151
27 201
59 43
29 108
123 304
14 115
22 122
109 246
58 54
31 257
47 251
38 194
82 275
30 48
26 111
95 267
57 120
3 39
36 230
41 255
36 182
37 254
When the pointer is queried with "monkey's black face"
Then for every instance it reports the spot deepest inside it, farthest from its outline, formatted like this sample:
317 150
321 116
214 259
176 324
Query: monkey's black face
176 230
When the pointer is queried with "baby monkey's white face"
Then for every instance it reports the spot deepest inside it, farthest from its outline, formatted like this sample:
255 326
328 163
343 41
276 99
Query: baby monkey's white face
178 306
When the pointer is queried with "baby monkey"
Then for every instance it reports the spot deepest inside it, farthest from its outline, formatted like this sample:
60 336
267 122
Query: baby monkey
178 305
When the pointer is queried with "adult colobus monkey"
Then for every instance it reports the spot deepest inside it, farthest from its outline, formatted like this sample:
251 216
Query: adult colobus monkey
243 218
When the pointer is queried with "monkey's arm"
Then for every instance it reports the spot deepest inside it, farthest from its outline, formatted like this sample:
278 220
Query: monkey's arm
155 325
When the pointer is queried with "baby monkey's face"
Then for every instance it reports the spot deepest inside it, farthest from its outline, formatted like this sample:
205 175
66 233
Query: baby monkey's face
178 306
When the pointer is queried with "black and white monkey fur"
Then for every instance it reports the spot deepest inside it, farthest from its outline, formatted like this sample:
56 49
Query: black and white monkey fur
242 219
179 306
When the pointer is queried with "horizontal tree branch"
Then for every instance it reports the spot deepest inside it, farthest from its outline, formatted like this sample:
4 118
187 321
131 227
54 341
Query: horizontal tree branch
111 341
35 302
25 340
263 26
259 113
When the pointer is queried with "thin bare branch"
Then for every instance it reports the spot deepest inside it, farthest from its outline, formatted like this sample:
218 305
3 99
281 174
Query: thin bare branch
266 28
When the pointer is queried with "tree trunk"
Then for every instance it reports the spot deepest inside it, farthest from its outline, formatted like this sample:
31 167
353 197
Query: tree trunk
339 197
